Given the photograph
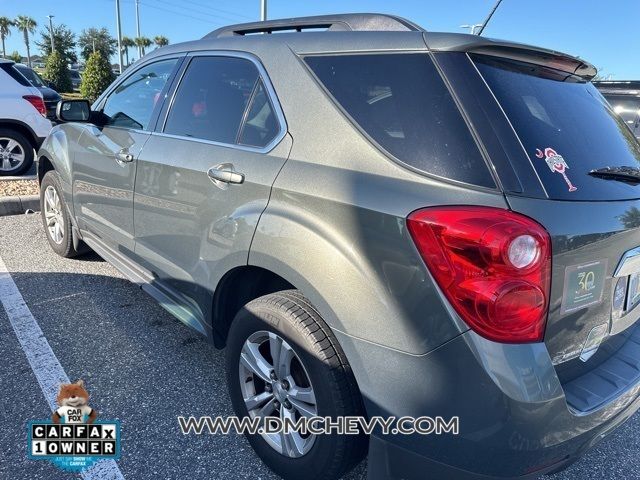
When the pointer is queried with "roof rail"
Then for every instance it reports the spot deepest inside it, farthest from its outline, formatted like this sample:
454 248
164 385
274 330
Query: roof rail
340 22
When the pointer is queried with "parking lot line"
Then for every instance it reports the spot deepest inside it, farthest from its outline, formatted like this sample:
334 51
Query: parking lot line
43 361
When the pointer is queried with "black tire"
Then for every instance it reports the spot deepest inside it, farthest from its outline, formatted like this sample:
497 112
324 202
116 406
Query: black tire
65 248
290 315
27 148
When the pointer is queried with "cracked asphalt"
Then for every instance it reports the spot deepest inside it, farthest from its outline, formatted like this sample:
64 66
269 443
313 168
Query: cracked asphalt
145 368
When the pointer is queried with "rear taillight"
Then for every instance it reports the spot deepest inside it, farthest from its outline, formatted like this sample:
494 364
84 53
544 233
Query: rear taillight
493 265
38 103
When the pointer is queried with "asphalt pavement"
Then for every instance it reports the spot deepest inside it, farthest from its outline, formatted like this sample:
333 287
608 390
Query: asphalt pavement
145 368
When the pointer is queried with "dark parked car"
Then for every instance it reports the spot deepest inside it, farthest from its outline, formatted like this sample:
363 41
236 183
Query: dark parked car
76 79
624 97
49 95
374 220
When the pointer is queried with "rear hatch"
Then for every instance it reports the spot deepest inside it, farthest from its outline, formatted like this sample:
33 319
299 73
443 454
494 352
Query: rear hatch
575 144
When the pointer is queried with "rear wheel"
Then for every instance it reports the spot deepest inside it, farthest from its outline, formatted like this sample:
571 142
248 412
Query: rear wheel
283 361
55 216
16 152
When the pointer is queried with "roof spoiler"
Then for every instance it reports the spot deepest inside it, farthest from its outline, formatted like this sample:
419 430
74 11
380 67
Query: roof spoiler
547 58
372 22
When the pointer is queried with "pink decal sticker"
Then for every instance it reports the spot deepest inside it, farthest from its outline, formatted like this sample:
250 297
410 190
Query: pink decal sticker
556 163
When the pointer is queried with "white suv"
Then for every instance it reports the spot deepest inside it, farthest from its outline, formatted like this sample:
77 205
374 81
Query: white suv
23 122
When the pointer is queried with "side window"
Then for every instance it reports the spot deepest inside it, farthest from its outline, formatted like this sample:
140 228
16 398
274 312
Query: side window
261 124
132 103
211 100
13 73
401 102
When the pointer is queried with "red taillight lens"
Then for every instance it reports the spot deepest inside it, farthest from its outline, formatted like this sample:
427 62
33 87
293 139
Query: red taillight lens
493 265
38 103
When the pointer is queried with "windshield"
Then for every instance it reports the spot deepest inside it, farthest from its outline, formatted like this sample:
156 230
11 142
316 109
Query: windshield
31 75
566 127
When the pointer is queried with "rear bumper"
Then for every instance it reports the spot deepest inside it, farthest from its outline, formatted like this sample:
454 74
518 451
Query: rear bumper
513 415
388 460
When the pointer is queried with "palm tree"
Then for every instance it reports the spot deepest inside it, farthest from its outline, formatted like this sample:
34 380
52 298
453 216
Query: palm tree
27 25
161 41
5 31
127 43
142 43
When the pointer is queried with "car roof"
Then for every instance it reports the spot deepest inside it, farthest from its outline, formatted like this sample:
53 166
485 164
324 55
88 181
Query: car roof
362 32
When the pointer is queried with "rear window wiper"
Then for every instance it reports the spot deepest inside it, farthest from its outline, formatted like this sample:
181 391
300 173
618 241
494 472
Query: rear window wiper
622 174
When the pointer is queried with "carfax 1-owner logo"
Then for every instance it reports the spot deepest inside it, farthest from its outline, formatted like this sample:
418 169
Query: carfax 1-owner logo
74 439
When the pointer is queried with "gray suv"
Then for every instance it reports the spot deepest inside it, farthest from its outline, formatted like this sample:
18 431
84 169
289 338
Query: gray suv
375 220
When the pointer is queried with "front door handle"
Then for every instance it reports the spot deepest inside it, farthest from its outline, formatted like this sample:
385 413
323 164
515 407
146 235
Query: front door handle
124 156
225 174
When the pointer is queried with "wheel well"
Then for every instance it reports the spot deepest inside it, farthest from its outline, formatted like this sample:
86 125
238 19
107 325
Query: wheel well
44 165
23 129
237 288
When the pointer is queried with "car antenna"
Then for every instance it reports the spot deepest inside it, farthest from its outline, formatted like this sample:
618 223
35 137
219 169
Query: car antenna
486 21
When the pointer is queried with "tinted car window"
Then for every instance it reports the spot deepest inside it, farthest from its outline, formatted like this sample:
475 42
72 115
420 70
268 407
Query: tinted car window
30 75
211 99
401 102
132 103
13 73
566 127
261 125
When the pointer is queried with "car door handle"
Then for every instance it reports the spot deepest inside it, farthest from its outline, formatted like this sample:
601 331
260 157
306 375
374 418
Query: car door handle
225 175
125 157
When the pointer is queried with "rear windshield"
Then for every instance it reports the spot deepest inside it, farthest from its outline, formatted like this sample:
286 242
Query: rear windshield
30 75
566 127
402 104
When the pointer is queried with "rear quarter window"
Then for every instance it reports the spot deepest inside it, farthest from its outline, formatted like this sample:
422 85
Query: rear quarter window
402 104
13 73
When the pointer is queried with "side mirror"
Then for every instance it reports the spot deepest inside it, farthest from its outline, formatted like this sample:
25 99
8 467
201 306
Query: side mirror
73 110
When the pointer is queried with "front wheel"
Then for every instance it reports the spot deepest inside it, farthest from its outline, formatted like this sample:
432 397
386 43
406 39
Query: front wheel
55 216
284 361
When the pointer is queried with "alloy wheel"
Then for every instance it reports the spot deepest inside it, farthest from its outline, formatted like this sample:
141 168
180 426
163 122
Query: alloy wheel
274 382
12 155
53 214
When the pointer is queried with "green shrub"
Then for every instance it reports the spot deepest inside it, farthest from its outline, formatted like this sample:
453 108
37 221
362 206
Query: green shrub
56 72
97 76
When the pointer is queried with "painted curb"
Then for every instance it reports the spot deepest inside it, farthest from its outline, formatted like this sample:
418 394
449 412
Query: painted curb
17 205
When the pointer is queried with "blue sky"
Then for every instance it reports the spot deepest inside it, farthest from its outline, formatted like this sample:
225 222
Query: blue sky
605 33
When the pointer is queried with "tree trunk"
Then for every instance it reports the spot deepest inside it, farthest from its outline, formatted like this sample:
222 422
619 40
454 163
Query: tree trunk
4 53
126 52
26 41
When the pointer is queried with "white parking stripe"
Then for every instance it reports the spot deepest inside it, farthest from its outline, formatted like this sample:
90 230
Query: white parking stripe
43 361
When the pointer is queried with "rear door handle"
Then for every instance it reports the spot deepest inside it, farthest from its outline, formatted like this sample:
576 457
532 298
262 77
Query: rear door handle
225 174
124 156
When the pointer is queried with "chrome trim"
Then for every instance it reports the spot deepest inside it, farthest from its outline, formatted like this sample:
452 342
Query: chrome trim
271 94
629 263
